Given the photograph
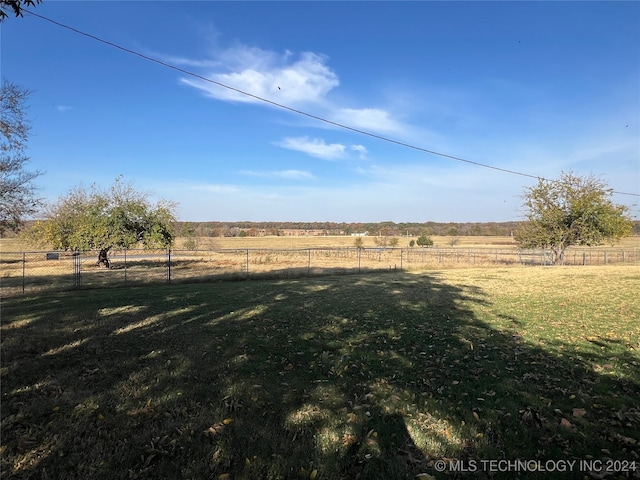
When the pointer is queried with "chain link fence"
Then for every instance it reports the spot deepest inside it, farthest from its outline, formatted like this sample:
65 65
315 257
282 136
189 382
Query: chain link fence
23 272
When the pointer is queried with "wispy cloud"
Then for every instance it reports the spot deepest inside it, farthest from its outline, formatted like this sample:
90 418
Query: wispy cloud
361 149
187 62
286 78
315 147
277 77
63 108
318 148
286 174
369 119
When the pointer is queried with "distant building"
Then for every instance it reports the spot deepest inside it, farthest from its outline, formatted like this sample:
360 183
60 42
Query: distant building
308 232
360 234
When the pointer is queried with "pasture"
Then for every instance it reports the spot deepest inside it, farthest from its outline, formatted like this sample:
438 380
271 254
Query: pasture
213 259
335 377
301 242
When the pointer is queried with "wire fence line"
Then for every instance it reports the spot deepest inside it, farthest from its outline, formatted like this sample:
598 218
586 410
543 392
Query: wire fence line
23 272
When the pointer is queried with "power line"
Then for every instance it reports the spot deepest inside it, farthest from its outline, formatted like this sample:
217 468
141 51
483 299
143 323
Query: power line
294 110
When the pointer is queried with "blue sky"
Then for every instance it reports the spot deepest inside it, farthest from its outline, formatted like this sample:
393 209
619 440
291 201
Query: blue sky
534 87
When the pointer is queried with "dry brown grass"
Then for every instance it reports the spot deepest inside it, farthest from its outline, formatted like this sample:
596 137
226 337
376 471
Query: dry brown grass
212 243
339 241
283 257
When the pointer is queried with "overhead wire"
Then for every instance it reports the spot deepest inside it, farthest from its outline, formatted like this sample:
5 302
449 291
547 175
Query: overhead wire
294 110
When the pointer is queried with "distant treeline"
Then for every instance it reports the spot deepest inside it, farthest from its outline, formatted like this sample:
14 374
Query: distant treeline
234 229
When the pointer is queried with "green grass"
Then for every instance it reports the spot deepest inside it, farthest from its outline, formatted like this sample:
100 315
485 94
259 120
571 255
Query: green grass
358 376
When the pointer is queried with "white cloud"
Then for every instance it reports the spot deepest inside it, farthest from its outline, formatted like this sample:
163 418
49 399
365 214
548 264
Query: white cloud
287 174
361 149
187 62
276 77
63 108
288 79
315 147
368 119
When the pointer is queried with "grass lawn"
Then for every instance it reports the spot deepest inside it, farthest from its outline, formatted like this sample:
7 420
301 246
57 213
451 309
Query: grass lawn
355 376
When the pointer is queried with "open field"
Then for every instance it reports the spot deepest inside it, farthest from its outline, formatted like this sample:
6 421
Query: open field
335 377
209 243
275 257
339 241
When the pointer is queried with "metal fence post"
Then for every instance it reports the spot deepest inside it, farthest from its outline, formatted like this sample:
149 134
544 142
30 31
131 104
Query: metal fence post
247 262
169 265
309 263
77 262
24 261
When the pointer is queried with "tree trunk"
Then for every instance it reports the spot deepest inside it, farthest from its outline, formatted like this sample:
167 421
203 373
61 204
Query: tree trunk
102 258
558 256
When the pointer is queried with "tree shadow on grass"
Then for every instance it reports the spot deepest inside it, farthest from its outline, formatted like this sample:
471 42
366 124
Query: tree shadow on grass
375 376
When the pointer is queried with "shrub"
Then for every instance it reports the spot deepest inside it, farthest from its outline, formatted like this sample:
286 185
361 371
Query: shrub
424 241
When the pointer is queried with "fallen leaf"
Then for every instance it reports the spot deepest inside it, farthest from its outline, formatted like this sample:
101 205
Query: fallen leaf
565 423
579 412
227 421
216 429
288 366
313 475
626 440
224 476
425 476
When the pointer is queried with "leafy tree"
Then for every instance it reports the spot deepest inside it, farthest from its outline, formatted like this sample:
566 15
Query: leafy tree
15 6
424 241
412 243
95 219
17 191
359 242
570 211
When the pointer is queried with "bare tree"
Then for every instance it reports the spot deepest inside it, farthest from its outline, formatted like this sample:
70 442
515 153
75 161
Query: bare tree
18 198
